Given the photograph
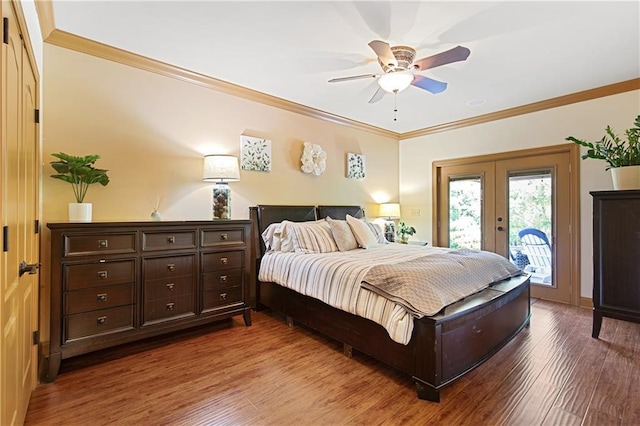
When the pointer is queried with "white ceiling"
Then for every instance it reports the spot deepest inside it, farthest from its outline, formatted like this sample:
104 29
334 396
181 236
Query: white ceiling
521 52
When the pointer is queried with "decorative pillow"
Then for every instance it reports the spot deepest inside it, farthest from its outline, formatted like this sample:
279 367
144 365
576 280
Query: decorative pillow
272 236
364 235
342 234
310 237
378 232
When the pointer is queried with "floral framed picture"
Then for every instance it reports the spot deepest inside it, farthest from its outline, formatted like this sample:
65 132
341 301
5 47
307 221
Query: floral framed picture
355 166
255 154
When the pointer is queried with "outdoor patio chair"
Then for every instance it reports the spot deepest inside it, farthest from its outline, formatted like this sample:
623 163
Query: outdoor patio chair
536 246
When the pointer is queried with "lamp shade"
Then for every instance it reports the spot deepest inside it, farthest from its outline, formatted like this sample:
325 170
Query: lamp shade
395 81
390 210
221 168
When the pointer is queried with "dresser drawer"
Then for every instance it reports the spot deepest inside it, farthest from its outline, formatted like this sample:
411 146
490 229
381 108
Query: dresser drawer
221 279
168 240
221 237
167 308
99 322
96 298
163 288
168 267
99 244
98 274
221 297
212 262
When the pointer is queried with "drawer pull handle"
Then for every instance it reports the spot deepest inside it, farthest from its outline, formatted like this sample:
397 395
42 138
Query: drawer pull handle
171 240
223 296
101 320
102 297
223 278
170 286
103 243
224 237
102 275
170 306
171 267
224 261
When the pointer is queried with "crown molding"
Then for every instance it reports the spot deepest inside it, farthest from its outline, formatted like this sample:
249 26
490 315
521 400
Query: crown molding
44 9
80 44
586 95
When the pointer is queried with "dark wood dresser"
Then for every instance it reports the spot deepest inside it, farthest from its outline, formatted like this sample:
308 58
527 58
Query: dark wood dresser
616 265
117 282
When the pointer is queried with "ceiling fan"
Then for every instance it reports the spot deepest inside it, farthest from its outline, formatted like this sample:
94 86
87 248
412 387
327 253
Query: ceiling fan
398 66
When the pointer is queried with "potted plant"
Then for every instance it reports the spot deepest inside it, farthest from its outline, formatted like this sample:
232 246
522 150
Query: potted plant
404 231
80 172
622 157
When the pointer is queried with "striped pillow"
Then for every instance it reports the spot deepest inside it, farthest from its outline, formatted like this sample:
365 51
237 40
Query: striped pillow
313 237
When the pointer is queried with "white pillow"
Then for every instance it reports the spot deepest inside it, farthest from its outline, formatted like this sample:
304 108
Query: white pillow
364 235
341 231
378 232
309 237
272 236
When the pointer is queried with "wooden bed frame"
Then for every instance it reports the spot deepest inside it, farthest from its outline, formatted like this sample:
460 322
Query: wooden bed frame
442 348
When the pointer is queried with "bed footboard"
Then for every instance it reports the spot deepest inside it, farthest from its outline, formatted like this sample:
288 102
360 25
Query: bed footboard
442 348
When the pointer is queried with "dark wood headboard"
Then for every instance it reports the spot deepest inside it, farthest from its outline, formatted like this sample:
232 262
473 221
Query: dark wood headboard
264 215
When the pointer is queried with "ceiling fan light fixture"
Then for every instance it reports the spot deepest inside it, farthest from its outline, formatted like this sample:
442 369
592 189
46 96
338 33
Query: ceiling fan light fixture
395 81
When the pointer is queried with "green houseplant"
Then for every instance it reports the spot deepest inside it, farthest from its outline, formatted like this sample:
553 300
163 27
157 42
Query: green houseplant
80 172
404 231
622 156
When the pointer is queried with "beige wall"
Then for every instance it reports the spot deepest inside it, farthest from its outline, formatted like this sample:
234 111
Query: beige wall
153 131
585 120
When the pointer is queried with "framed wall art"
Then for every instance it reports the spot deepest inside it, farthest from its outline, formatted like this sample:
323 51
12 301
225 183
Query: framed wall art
355 166
255 154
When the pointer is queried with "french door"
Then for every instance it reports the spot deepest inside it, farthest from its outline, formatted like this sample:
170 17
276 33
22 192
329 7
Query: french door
522 205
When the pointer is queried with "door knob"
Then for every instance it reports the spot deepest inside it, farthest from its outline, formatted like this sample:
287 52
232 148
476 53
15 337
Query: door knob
30 268
500 228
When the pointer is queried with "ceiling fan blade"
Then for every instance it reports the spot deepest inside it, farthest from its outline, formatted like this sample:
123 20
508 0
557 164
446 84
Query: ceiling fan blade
353 77
429 84
458 53
377 96
385 55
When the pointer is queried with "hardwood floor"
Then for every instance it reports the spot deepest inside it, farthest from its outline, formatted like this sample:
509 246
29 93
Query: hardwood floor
552 373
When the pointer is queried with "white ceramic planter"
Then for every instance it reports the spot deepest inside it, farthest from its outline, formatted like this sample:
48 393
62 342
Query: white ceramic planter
626 177
80 212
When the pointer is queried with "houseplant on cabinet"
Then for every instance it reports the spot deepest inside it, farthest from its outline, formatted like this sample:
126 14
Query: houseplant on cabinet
404 231
80 172
622 157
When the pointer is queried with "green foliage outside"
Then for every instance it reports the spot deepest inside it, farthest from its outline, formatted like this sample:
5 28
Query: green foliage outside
529 206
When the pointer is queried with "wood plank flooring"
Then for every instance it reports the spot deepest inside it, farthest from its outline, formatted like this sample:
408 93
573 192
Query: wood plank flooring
552 373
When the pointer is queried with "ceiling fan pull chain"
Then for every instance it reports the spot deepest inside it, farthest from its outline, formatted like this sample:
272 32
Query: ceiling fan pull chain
395 105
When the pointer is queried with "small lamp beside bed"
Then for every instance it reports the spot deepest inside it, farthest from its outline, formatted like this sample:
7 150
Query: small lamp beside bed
221 169
390 211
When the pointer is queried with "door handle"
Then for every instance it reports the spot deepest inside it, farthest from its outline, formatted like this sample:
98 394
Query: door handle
500 228
30 268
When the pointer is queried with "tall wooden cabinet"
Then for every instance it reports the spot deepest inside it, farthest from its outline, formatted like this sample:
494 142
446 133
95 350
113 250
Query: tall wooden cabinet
113 283
616 266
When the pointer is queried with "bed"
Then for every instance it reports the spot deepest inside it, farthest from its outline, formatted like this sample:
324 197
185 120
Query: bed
441 348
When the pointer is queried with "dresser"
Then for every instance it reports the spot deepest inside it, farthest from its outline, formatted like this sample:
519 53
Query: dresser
616 244
118 282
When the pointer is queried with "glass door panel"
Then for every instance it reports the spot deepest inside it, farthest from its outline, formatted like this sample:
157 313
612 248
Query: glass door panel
529 220
465 212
